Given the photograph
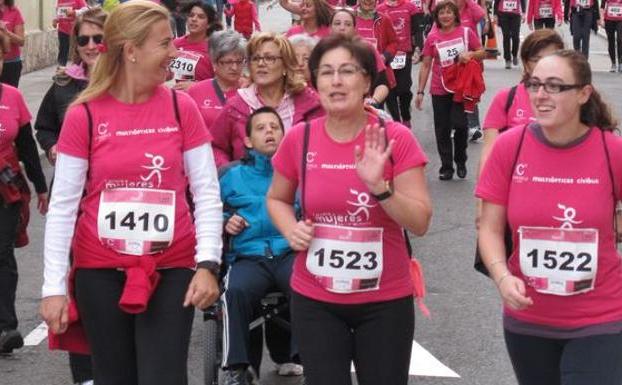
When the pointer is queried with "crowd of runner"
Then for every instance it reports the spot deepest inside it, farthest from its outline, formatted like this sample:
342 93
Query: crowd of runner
199 158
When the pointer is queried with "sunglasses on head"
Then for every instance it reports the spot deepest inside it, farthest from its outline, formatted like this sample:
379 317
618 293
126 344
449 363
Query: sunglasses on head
83 40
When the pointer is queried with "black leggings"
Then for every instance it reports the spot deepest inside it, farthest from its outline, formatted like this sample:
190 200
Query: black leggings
581 25
63 48
510 28
376 336
548 22
9 218
11 72
578 361
614 37
450 116
150 348
401 96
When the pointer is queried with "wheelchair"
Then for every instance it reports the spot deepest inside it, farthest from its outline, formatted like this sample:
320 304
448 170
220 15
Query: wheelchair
272 308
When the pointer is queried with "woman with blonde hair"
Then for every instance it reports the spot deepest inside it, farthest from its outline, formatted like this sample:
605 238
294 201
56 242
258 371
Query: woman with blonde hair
128 151
275 83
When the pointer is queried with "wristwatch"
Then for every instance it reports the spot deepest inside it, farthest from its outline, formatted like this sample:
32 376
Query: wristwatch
385 195
211 266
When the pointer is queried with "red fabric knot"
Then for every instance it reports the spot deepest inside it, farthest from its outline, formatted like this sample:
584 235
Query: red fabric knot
102 47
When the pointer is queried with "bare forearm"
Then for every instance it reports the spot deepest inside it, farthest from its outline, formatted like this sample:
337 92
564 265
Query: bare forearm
282 214
413 214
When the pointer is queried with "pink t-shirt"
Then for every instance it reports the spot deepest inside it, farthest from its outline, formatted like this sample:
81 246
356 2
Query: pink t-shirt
133 147
12 17
299 30
13 115
400 15
210 99
365 29
613 10
336 196
65 24
555 187
519 113
471 15
510 6
204 69
452 41
581 3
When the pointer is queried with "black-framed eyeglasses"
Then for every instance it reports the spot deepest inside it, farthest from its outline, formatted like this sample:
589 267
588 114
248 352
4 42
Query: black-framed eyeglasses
83 40
268 59
550 87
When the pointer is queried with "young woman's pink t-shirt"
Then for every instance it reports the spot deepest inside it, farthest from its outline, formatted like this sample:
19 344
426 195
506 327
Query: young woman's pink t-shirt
400 15
519 113
429 49
335 195
134 146
13 115
65 24
299 30
12 17
204 69
555 187
210 100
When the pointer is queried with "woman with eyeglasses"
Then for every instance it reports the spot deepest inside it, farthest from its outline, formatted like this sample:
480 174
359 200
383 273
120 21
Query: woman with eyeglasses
12 28
561 287
361 181
142 258
275 83
192 63
227 50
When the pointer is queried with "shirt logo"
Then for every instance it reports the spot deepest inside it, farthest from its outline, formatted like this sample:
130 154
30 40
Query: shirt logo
362 204
156 167
568 220
2 129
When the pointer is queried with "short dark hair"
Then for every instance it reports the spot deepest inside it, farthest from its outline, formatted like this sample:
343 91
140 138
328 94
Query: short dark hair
349 11
361 51
444 5
262 110
213 24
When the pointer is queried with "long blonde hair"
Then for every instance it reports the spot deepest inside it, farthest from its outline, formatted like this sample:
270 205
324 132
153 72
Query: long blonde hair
293 84
128 22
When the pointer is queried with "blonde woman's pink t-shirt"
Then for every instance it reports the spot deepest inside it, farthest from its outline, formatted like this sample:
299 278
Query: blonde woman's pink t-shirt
335 195
134 146
555 187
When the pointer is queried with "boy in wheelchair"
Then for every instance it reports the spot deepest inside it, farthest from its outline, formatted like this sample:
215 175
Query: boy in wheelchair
258 256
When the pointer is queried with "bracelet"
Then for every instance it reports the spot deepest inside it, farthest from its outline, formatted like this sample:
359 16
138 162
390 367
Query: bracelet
504 276
420 93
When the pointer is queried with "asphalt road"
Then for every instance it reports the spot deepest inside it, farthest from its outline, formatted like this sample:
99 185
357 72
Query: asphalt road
464 331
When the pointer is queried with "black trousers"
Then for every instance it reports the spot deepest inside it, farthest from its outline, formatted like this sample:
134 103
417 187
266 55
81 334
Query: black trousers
376 336
400 96
581 24
548 22
11 72
448 117
578 361
510 28
81 367
9 218
418 29
150 348
63 48
614 40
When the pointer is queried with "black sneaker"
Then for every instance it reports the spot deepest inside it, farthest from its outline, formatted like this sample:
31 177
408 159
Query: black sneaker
508 65
475 133
461 171
515 61
10 340
446 175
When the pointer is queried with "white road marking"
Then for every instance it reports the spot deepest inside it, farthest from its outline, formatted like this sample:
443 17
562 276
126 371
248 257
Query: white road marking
35 337
423 363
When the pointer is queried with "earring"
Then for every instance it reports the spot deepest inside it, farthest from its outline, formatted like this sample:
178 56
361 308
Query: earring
133 60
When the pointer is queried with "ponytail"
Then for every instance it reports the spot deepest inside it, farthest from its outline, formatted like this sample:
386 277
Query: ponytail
595 112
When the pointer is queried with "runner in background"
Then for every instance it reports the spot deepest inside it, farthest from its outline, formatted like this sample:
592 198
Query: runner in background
66 13
450 42
275 83
192 63
584 16
508 15
245 18
403 15
314 19
353 184
227 50
86 35
135 244
544 14
16 145
344 22
11 27
611 19
561 292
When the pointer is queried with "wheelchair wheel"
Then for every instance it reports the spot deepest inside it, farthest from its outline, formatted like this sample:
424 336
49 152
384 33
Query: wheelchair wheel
211 351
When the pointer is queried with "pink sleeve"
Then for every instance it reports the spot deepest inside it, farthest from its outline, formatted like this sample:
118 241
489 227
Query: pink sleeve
24 114
494 182
256 18
428 46
407 152
221 134
193 127
74 137
287 159
496 117
19 19
475 43
477 12
530 10
558 10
